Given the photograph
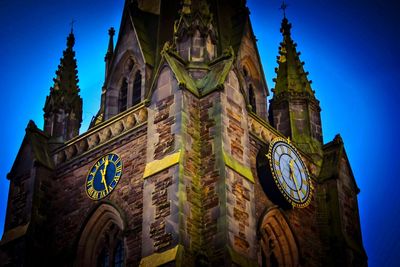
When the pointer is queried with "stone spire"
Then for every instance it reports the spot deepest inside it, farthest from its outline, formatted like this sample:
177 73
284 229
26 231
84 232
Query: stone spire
63 107
194 34
294 110
291 77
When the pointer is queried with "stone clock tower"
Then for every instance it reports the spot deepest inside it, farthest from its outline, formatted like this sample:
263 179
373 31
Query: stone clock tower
183 165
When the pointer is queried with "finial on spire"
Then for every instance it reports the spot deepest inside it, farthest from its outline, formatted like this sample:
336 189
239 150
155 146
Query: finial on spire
283 8
110 50
72 25
111 31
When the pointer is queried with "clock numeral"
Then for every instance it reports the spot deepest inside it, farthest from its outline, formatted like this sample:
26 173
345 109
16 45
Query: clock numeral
278 172
118 169
277 163
91 192
98 164
89 183
103 193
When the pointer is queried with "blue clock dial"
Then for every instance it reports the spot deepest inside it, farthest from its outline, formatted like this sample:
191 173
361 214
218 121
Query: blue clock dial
290 173
104 176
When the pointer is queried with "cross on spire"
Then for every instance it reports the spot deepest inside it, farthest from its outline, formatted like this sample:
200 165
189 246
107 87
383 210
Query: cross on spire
72 25
283 8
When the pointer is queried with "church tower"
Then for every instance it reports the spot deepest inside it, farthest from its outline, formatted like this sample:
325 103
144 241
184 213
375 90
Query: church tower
63 107
180 166
294 109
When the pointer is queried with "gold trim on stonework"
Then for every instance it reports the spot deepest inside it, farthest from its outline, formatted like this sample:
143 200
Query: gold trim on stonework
158 259
238 167
159 165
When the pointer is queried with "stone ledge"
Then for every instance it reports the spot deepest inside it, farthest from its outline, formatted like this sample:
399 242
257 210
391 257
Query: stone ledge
238 167
158 259
159 165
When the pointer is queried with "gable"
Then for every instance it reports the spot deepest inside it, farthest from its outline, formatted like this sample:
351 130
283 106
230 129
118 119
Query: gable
34 148
336 164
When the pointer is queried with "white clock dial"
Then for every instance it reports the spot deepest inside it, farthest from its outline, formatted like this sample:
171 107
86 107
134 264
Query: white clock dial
290 173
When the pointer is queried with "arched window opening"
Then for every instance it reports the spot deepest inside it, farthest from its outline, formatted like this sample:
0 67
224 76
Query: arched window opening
102 242
252 99
278 242
123 96
104 258
245 72
137 89
119 255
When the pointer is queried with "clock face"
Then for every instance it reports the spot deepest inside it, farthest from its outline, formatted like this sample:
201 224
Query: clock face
104 176
290 173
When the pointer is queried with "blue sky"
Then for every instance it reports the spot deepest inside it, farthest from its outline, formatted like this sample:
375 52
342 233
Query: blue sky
350 48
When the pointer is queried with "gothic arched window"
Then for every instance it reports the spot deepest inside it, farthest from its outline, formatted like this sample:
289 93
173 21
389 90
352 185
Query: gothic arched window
278 243
245 72
137 88
252 99
119 255
123 96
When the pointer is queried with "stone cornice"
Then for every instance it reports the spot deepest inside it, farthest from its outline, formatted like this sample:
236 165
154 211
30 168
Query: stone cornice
100 135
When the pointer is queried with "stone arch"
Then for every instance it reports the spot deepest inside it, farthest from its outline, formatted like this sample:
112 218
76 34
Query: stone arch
253 86
104 219
125 68
278 243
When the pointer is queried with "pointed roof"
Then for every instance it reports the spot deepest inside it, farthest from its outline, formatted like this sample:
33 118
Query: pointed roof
37 140
291 77
67 75
65 90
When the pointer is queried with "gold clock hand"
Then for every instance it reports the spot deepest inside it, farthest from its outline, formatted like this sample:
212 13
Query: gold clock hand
103 175
294 179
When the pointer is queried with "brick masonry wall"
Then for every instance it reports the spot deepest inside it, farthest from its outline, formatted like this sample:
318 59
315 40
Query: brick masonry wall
161 198
21 190
74 207
348 203
201 174
239 191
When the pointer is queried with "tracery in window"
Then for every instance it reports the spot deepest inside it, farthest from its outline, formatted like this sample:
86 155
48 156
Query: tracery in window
119 254
137 88
123 95
104 258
